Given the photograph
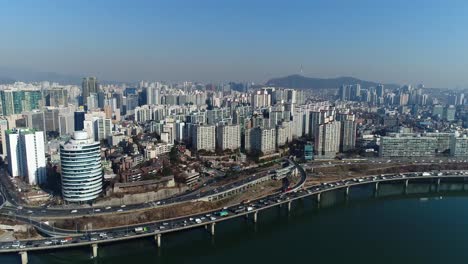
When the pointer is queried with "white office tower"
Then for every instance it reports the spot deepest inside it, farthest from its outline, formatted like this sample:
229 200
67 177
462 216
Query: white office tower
80 158
228 137
26 155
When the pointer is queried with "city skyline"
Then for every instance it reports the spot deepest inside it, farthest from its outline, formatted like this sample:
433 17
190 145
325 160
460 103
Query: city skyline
394 42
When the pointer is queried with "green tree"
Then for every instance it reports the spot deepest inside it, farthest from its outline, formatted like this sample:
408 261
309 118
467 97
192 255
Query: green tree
174 155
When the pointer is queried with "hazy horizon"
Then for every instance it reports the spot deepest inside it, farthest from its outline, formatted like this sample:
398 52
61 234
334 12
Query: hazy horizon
390 42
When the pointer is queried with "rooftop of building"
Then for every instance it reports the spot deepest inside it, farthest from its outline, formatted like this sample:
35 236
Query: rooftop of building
24 130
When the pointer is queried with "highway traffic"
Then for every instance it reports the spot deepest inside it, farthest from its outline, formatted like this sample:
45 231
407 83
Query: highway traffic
34 212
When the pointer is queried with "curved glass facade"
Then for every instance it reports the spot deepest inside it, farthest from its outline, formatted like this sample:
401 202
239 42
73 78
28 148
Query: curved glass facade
81 166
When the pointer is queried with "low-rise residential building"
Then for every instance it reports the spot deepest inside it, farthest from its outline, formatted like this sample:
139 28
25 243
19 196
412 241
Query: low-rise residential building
154 151
191 177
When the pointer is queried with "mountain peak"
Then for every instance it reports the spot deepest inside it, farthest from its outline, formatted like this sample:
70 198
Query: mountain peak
303 82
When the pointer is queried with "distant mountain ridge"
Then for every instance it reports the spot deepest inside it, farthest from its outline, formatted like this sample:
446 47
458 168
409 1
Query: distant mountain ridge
9 75
302 82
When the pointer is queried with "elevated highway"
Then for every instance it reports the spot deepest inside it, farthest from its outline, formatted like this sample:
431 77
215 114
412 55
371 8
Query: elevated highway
210 195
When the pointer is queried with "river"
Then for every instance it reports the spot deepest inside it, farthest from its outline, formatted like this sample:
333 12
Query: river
423 226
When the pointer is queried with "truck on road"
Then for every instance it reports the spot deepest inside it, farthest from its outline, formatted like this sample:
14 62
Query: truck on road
140 229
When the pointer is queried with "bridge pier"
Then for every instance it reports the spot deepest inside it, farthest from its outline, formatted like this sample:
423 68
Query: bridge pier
289 206
347 192
255 217
94 247
438 185
157 238
406 186
212 229
376 190
24 257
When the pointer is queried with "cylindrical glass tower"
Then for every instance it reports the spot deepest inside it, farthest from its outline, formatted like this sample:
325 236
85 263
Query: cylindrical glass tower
80 159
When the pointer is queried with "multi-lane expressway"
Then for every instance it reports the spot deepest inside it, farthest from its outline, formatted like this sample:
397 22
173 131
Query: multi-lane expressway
43 212
212 194
210 219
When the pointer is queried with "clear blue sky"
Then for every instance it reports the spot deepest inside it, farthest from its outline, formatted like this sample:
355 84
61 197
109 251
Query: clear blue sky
408 41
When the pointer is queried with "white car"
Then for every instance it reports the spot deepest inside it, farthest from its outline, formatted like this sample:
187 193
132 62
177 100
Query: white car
73 211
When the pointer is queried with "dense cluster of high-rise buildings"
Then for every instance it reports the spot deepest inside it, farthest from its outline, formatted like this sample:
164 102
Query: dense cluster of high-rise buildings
233 118
206 118
378 95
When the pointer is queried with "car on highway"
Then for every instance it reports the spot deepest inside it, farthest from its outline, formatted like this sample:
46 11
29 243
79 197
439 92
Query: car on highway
66 240
16 244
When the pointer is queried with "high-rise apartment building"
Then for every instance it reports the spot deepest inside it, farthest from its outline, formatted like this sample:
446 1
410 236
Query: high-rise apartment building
260 99
66 123
459 145
102 128
327 139
407 145
348 131
17 101
89 85
260 140
26 155
228 137
3 129
203 137
56 97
